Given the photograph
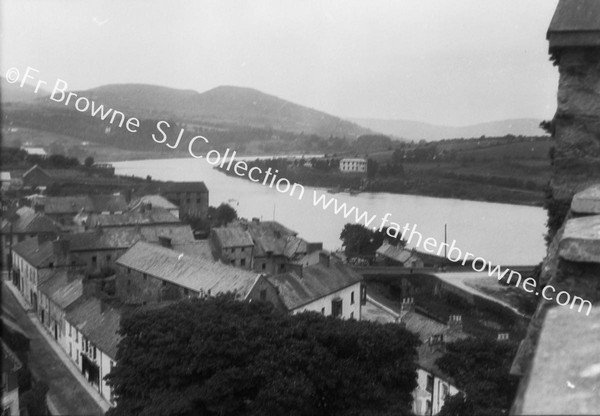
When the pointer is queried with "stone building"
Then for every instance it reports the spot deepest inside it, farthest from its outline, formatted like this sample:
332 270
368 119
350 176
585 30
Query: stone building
558 359
150 273
190 197
233 245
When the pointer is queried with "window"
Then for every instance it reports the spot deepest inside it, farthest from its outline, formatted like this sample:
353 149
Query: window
164 282
94 352
264 266
444 391
351 315
69 328
70 350
242 249
128 270
322 311
429 383
282 267
145 276
76 336
185 292
336 307
242 262
108 257
352 298
188 200
263 294
51 265
363 294
198 201
94 259
233 262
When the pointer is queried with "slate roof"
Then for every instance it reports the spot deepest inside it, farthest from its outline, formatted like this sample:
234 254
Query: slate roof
316 282
276 239
198 248
396 253
111 203
64 287
125 237
98 322
28 221
66 204
54 173
178 187
575 23
75 204
38 255
194 273
428 354
423 326
154 216
155 200
232 237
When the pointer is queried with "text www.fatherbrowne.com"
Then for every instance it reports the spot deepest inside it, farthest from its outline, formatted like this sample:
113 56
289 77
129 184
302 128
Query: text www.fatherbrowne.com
454 254
60 94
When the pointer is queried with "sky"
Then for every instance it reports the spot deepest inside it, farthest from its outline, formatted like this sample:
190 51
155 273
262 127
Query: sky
448 62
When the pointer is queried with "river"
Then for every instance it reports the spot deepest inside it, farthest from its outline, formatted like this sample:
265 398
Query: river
501 233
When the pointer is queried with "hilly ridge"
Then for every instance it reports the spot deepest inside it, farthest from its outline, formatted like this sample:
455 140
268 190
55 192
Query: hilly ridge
229 105
415 130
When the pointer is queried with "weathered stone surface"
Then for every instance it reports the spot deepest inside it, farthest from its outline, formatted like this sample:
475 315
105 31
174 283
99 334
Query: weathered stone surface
581 240
565 374
587 201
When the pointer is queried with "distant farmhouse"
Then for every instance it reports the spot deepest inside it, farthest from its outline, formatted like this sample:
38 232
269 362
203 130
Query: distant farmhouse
353 165
36 151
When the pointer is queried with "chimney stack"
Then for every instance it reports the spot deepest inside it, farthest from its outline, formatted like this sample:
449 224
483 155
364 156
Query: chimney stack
165 241
42 238
61 249
324 259
312 247
408 305
503 336
455 326
297 268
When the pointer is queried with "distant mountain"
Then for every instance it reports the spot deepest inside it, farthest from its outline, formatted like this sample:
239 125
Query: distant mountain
225 105
414 130
13 93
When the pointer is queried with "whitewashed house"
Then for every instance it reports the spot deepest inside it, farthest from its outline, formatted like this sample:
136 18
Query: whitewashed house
321 283
353 165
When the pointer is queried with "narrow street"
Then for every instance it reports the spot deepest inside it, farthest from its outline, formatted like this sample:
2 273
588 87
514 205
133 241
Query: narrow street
65 393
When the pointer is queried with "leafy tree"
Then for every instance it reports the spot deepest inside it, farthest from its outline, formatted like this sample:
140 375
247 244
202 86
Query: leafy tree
357 239
481 369
360 240
224 214
456 405
372 168
217 356
89 162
